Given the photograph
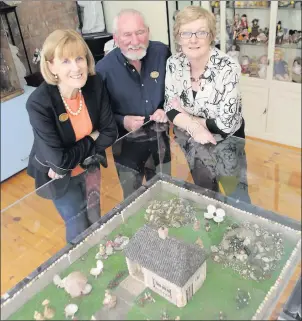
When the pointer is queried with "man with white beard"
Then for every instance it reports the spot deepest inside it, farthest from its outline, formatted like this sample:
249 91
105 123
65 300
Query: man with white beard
134 74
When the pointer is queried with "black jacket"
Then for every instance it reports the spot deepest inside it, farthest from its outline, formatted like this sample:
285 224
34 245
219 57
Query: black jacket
55 144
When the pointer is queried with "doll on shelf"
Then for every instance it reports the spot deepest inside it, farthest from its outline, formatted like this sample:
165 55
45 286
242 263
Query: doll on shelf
262 66
280 66
245 62
296 71
279 33
253 36
236 26
243 22
234 52
254 68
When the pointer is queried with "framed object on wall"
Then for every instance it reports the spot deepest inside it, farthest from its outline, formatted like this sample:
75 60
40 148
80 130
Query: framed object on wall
10 84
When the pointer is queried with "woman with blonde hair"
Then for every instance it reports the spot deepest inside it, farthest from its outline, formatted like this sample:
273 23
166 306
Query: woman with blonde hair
202 96
73 124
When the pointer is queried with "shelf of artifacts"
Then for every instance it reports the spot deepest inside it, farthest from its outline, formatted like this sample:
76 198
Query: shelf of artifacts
172 253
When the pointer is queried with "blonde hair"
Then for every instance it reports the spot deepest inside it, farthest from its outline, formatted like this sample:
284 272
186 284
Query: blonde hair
64 43
192 13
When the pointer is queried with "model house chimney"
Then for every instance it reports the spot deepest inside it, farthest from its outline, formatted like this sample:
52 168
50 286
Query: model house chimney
163 232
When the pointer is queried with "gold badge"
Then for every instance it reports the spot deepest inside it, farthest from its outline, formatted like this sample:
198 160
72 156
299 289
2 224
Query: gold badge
63 117
154 74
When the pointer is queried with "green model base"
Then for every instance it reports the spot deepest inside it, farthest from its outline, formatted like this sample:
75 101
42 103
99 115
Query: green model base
218 293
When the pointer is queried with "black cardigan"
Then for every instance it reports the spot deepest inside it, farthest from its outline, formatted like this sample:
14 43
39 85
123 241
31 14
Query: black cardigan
55 144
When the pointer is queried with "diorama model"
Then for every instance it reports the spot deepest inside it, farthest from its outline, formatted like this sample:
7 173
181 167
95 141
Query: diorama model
171 254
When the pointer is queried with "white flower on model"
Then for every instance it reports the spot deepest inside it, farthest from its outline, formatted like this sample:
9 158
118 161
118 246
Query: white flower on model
217 214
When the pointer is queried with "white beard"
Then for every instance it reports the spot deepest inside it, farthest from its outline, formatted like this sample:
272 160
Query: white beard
136 56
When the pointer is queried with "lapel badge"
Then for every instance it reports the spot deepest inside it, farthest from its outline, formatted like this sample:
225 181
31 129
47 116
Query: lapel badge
154 74
63 117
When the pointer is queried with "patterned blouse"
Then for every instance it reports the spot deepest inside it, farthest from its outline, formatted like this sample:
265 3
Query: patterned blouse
218 99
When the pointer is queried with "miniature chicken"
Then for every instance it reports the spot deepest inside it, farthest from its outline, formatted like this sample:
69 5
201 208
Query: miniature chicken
196 225
207 226
109 300
98 270
199 242
71 310
49 313
38 316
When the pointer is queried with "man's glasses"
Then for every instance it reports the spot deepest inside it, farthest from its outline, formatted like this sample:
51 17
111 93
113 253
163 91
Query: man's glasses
198 34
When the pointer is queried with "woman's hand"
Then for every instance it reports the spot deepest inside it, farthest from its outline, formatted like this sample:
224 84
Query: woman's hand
203 136
159 116
94 135
54 175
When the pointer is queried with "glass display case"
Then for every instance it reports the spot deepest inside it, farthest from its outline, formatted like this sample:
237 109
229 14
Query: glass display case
204 237
287 55
248 34
260 32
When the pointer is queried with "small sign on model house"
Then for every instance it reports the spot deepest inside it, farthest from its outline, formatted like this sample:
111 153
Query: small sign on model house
168 266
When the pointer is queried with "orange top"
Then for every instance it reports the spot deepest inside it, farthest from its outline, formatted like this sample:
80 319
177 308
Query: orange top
81 123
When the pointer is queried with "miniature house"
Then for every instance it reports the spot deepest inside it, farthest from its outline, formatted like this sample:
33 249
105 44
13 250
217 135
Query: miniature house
168 266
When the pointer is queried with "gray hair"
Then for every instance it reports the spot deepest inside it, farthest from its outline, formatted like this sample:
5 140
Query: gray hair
124 12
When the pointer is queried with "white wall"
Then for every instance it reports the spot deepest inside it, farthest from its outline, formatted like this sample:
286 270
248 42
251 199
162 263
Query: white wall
154 12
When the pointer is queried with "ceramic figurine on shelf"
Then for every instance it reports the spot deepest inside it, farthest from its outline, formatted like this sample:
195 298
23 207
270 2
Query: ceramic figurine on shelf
299 40
254 68
253 36
245 62
285 40
262 37
279 33
243 22
282 4
236 26
280 66
234 52
262 66
296 71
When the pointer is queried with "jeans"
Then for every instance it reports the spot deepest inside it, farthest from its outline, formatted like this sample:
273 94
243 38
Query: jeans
73 208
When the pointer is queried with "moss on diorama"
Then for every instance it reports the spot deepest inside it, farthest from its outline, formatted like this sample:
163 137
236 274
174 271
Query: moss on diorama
217 294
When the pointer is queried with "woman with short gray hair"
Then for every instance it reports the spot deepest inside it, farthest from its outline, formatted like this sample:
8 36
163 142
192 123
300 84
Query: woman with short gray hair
202 94
203 101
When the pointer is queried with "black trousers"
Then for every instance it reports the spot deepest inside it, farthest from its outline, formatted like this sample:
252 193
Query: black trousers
136 159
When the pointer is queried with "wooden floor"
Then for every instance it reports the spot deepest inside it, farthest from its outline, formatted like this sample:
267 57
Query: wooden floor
32 231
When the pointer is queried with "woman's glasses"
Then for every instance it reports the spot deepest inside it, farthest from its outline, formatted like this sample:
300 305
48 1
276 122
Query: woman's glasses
198 34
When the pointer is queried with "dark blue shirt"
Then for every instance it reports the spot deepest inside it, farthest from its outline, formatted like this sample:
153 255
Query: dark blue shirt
132 93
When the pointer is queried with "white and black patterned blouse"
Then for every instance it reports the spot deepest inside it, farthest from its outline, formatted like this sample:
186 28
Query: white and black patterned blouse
218 99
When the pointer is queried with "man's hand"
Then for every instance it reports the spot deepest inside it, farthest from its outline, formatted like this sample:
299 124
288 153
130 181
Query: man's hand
54 175
132 123
159 116
203 136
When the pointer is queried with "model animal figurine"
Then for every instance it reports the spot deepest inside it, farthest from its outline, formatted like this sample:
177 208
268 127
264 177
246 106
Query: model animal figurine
98 270
75 284
109 300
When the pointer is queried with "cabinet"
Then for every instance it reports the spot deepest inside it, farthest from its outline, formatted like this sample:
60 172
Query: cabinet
16 134
265 37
